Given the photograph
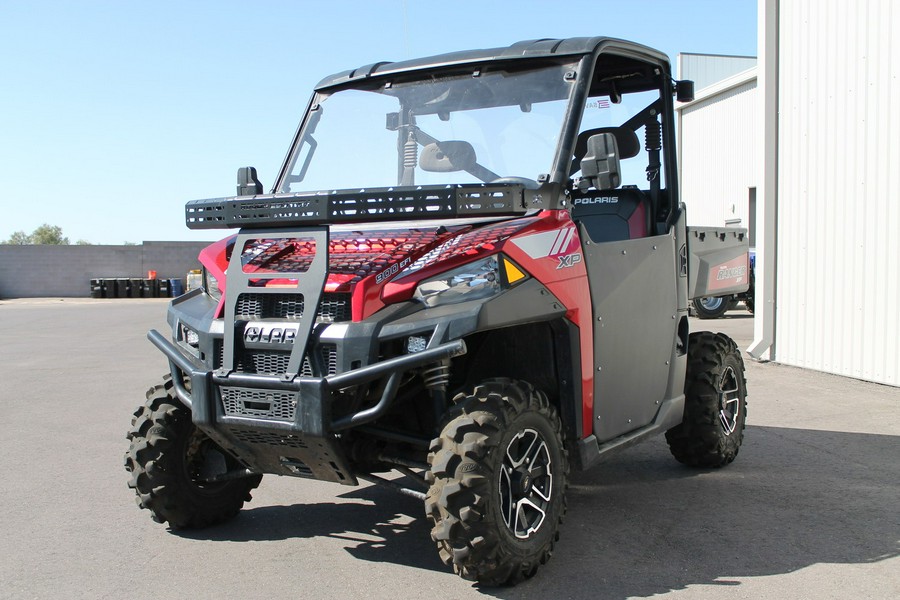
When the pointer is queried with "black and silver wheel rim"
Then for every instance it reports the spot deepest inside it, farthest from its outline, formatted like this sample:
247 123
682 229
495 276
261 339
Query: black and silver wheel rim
729 400
526 483
712 303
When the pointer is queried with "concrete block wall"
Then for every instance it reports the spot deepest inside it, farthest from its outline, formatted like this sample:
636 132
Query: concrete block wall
66 271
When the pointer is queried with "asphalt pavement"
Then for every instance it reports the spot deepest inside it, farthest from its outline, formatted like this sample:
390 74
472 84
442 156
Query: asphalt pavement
810 508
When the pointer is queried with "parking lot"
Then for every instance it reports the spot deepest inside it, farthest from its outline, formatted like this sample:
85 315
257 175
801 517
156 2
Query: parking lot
810 508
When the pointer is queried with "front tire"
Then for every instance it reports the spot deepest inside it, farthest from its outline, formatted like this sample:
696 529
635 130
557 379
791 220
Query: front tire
498 476
715 409
171 463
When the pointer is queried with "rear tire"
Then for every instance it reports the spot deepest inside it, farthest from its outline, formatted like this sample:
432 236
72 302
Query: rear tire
715 410
498 479
166 457
712 307
749 303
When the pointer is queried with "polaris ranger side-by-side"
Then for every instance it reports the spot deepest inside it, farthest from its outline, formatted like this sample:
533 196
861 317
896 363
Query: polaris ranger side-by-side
473 270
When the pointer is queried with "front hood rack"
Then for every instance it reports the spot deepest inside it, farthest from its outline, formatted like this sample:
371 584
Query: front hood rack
357 206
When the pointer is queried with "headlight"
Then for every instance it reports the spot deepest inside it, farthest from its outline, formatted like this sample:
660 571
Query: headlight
211 284
479 279
188 338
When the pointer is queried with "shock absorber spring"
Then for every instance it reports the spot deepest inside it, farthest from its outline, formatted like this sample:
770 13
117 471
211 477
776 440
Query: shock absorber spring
410 151
437 376
653 136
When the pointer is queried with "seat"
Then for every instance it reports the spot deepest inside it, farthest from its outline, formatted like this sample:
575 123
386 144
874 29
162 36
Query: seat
613 215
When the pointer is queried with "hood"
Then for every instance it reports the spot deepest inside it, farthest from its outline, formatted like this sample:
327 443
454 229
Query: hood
362 261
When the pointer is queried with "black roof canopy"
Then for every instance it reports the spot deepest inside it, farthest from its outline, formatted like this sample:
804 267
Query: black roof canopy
526 50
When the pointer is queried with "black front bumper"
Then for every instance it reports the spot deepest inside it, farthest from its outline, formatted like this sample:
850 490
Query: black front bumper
308 445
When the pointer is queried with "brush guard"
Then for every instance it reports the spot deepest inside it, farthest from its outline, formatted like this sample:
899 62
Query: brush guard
308 446
282 422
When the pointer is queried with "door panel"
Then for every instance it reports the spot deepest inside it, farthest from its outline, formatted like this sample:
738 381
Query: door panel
634 298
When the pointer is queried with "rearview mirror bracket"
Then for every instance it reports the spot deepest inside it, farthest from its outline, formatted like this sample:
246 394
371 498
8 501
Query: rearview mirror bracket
247 182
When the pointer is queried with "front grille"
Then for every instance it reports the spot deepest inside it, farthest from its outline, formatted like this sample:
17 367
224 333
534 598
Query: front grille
251 307
273 362
259 404
263 363
334 307
328 353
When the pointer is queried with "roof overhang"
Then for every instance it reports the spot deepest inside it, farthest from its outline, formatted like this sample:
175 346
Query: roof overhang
526 50
720 87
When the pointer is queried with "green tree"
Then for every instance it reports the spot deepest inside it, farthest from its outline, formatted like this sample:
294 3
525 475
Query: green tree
50 235
45 234
19 238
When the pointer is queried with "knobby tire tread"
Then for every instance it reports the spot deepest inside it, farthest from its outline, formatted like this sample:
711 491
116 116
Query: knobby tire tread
459 502
156 460
700 440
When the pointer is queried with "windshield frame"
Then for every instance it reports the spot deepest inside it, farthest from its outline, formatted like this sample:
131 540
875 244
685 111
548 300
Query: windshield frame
570 65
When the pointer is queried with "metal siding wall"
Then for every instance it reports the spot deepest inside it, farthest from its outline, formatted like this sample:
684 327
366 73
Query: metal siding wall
839 176
707 69
720 150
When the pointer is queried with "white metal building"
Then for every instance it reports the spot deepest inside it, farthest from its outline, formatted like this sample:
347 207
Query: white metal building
818 137
707 69
720 150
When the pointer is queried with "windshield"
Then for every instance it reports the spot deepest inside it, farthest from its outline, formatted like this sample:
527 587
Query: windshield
477 126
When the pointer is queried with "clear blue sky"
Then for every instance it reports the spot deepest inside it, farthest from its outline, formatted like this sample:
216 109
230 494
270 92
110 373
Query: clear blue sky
113 114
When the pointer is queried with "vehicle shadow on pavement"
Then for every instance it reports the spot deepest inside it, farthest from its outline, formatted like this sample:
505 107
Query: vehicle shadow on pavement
642 524
383 526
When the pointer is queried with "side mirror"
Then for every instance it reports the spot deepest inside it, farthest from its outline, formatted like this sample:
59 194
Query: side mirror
600 166
684 90
247 183
447 157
